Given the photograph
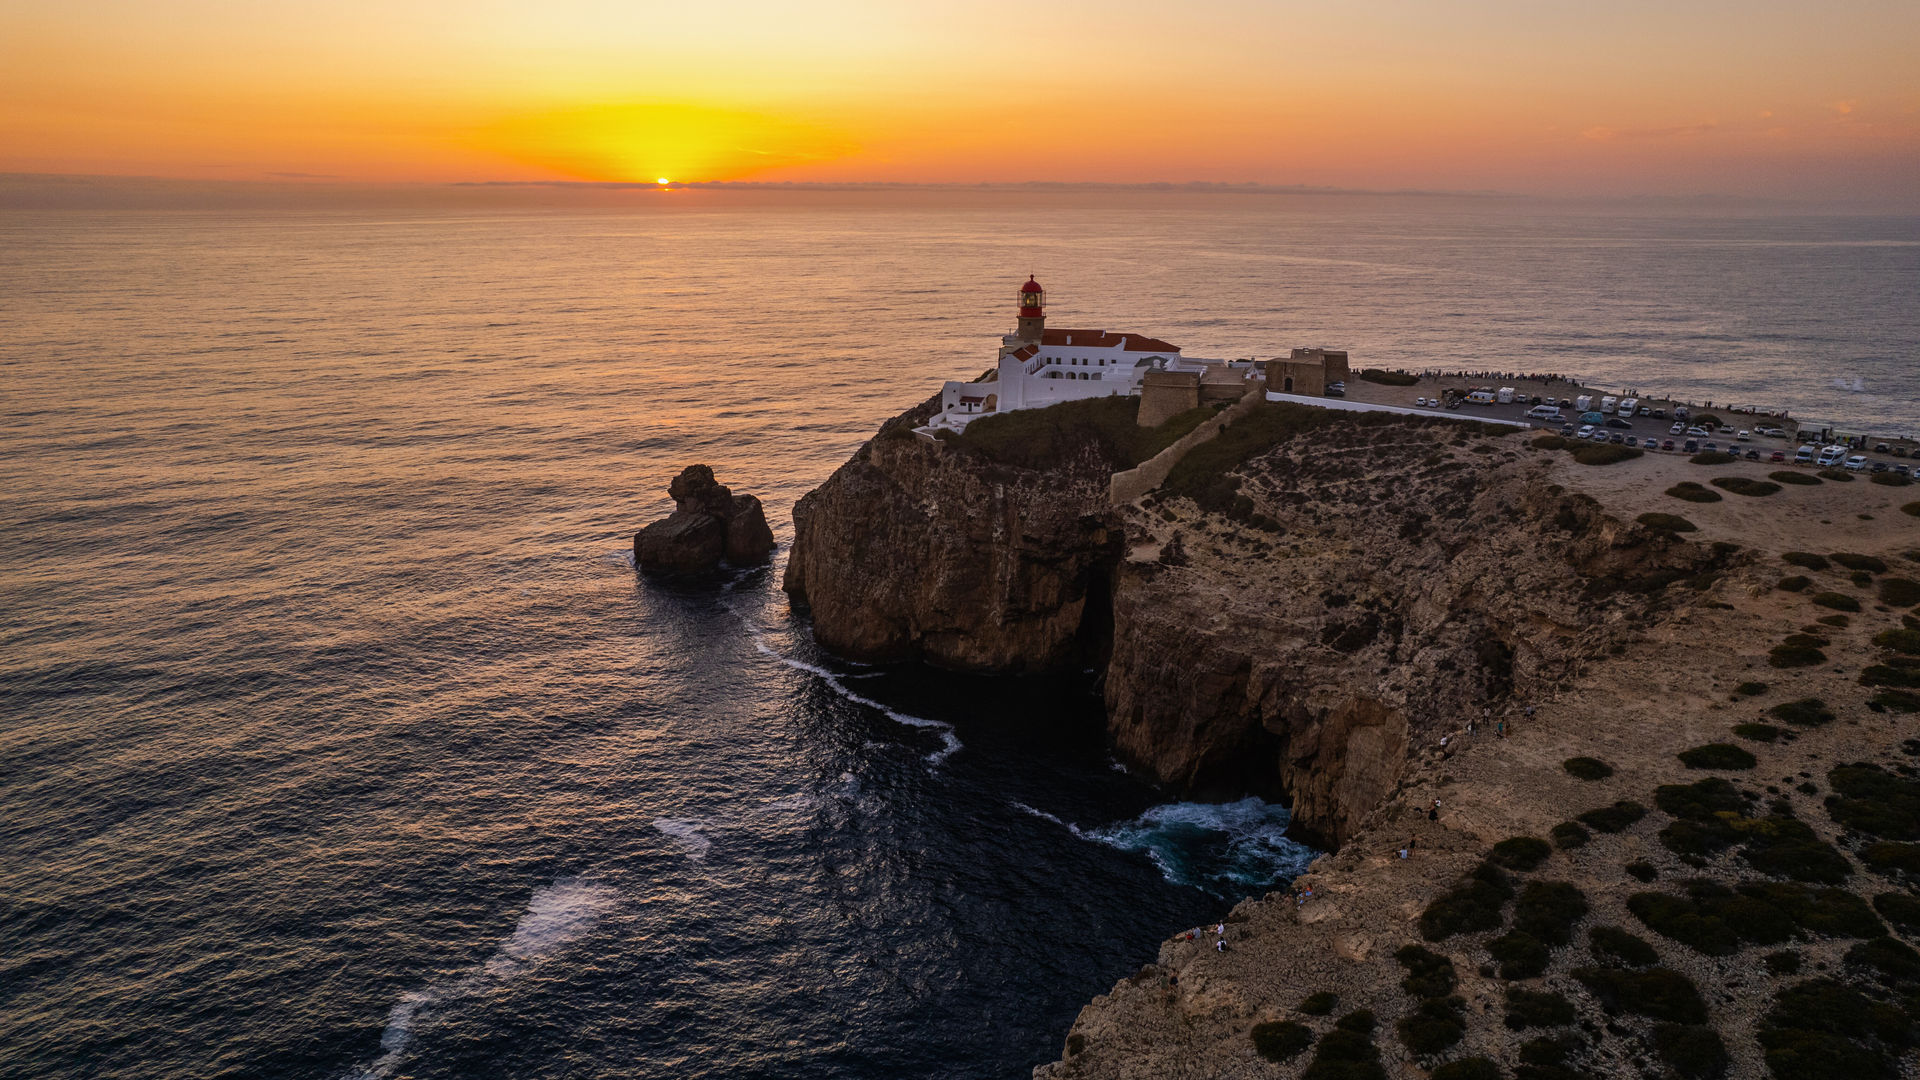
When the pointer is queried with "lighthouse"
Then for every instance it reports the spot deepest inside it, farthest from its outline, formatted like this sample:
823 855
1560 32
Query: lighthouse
1033 313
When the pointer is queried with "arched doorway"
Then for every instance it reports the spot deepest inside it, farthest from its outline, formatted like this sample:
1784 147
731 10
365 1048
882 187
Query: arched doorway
1286 386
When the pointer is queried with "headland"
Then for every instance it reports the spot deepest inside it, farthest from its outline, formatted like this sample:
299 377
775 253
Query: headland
1613 749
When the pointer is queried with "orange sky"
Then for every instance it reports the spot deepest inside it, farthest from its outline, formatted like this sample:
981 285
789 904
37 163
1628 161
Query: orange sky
1759 98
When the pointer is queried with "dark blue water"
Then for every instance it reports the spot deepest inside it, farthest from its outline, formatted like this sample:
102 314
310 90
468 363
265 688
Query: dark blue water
338 737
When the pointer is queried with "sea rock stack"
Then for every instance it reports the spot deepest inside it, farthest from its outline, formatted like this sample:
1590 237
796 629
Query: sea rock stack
709 525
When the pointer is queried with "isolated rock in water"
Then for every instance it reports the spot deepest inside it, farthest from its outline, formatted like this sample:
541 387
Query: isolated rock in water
709 524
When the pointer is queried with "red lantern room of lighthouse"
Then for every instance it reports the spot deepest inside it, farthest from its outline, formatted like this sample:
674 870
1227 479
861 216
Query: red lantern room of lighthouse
1033 315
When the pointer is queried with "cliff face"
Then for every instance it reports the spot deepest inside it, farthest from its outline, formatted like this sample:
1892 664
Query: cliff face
914 549
1358 590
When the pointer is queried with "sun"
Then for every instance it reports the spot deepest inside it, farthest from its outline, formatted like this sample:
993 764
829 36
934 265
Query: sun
663 181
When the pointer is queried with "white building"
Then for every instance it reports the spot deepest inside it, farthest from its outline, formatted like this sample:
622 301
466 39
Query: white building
1040 367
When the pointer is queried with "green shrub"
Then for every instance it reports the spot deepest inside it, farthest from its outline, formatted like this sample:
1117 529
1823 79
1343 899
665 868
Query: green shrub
1551 442
1897 700
1887 960
1890 857
1520 955
1714 919
1432 1026
1838 476
1320 1003
1899 591
1615 818
1472 905
1614 947
1868 799
1806 712
1469 1068
1911 509
1670 523
1757 732
1568 835
1717 756
1744 485
1872 564
1641 870
1586 768
1785 962
1604 454
1548 910
1900 909
1834 620
1359 1021
1711 457
1520 852
1821 1030
1750 689
1891 479
1685 920
1836 601
1796 583
1039 438
1902 640
1888 675
1429 975
1692 1050
1658 993
1861 578
1281 1040
1534 1008
1385 377
1796 656
1697 493
1797 478
1805 559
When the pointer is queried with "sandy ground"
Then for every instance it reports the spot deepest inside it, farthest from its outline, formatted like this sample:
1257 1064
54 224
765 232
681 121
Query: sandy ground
1857 516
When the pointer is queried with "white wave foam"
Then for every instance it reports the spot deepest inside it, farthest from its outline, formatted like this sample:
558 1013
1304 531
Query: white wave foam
1219 847
624 557
686 833
557 915
1041 814
949 741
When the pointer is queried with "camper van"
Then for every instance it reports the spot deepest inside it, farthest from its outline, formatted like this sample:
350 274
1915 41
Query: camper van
1506 395
1607 402
1583 403
1480 397
1629 405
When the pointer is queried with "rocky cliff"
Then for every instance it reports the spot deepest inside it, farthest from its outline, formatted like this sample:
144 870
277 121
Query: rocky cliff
709 525
1337 598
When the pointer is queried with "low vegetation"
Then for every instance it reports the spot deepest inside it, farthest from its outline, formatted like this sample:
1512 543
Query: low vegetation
1468 1068
1698 493
1281 1040
1548 910
1614 947
1796 478
1899 591
1745 485
1911 509
1805 712
1872 564
1347 1052
1903 640
1040 438
1805 559
1693 1051
1520 852
1900 909
1824 1030
1717 756
1429 974
1433 1025
1715 920
1890 479
1758 732
1534 1008
1836 601
1586 768
1568 835
1871 800
1750 689
1616 818
1385 377
1712 457
1794 583
1795 656
1604 454
1671 523
1658 993
1320 1003
1520 955
1838 476
1472 905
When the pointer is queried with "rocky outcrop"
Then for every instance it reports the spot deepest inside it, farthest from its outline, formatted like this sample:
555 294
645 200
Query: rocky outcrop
919 549
709 525
1317 618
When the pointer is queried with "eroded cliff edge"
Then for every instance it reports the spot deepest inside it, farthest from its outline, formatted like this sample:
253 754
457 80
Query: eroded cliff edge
1339 593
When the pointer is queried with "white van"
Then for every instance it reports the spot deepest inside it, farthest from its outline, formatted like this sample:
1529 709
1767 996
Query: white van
1583 403
1804 456
1545 412
1607 402
1506 395
1629 405
1831 455
1480 397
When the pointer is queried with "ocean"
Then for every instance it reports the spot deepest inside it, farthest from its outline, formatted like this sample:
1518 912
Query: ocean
340 740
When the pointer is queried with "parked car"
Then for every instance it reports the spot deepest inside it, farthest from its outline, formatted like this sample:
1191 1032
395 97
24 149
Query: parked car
1742 435
1566 429
1616 422
1899 451
1725 430
1535 400
1619 438
1336 390
1666 444
1880 466
1634 440
1803 456
1856 463
1700 431
1881 448
1678 428
1566 403
1659 414
1680 412
1643 410
1902 470
1753 455
1778 455
1709 448
1586 431
1693 446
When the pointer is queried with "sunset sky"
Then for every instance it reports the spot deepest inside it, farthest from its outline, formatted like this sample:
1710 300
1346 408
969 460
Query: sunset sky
1756 98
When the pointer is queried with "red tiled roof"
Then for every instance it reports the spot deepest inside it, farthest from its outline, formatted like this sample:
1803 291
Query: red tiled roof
1100 339
1025 352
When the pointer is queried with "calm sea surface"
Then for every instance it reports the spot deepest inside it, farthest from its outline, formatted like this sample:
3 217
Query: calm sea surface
339 739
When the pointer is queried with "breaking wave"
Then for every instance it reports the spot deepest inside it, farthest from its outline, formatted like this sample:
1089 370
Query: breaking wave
1223 848
686 833
557 915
